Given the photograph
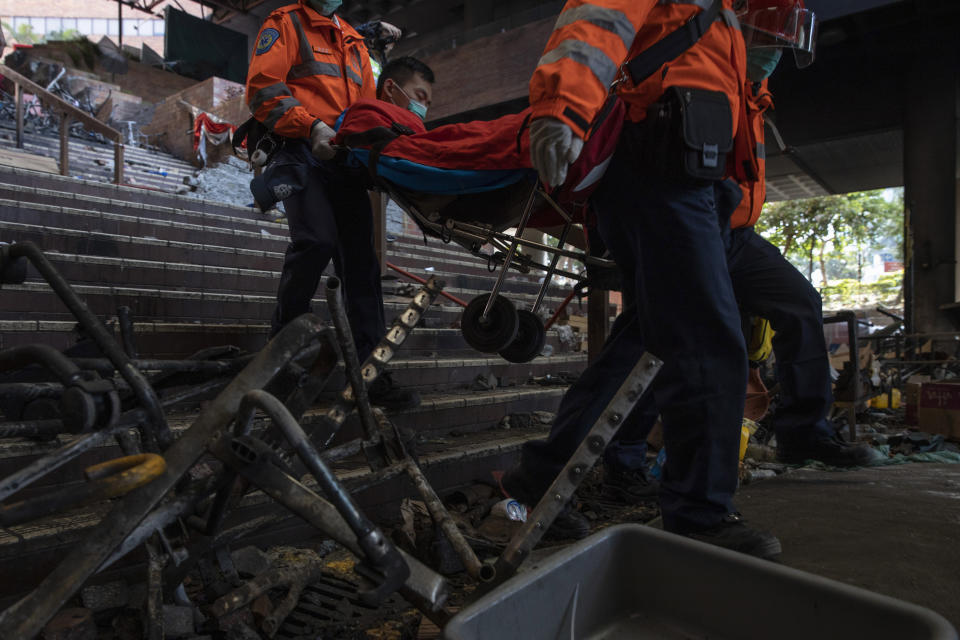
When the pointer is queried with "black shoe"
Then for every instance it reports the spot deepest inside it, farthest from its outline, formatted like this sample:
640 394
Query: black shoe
732 533
834 451
385 393
570 524
631 487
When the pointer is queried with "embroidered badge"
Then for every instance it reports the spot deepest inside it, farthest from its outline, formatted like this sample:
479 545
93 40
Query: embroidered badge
283 191
266 40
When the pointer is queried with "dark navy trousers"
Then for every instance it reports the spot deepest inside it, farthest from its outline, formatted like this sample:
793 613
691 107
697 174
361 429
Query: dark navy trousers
667 239
330 218
767 285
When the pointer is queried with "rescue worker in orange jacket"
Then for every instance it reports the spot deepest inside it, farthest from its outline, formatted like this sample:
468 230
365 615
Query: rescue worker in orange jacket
661 210
307 67
764 283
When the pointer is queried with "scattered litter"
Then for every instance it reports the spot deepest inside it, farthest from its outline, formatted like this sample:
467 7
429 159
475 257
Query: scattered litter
510 509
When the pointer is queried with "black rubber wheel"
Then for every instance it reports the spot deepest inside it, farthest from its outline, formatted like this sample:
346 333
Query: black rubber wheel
497 331
531 336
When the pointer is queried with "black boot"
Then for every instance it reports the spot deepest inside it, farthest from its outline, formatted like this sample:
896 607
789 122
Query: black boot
385 393
570 524
831 450
630 487
733 533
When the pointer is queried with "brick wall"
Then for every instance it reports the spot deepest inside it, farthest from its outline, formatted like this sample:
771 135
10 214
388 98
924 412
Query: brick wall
172 124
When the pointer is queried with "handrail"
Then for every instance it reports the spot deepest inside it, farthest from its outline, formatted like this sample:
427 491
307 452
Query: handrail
69 113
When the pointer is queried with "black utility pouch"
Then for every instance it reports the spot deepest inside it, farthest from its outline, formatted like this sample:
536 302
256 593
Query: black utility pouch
688 134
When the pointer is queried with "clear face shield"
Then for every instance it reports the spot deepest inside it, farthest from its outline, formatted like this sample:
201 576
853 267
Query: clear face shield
794 28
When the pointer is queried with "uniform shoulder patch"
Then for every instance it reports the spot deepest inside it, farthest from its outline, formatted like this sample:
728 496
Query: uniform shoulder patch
266 40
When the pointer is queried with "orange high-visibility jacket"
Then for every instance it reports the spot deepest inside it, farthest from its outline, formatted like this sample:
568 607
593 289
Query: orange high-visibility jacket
592 39
306 67
750 155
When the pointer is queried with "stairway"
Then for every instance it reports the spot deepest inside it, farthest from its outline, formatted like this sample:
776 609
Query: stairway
198 274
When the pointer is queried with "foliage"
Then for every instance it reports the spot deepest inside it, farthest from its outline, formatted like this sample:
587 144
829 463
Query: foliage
847 293
835 237
23 34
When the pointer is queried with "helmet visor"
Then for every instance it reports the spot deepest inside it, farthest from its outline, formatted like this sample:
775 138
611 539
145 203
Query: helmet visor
794 28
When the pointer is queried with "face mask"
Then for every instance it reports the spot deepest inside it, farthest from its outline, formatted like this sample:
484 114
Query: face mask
325 7
416 108
762 61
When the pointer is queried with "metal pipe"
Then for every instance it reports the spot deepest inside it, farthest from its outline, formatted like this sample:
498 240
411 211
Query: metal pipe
377 549
106 480
527 210
573 473
351 361
553 265
443 520
36 429
402 326
48 463
125 320
416 278
159 435
563 305
27 617
55 362
210 367
424 588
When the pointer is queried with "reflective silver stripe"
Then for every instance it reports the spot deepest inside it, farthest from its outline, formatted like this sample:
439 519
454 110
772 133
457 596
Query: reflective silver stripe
306 51
314 68
616 22
761 151
703 4
591 57
353 75
278 111
357 58
730 18
267 93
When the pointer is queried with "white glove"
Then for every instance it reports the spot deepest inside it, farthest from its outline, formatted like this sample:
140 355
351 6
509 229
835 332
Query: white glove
320 136
553 148
390 32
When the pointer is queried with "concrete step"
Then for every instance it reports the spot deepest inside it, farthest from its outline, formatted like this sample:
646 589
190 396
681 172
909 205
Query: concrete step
94 220
175 340
186 214
94 161
34 300
140 195
88 232
95 243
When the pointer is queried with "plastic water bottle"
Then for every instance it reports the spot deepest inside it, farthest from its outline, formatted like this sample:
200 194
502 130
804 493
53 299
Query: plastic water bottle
510 509
657 469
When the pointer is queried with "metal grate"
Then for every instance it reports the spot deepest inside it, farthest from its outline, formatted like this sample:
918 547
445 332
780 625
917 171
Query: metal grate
331 608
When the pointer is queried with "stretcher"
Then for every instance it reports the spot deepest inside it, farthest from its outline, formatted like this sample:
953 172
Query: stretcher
471 184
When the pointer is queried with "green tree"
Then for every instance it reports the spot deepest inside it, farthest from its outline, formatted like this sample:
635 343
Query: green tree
23 34
837 235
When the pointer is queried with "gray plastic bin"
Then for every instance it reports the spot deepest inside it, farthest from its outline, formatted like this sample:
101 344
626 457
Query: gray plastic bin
632 581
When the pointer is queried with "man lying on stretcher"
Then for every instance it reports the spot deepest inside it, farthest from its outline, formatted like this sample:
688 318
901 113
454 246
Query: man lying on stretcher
478 171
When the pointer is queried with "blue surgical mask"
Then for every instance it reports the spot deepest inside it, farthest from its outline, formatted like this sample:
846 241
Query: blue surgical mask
416 108
762 61
325 7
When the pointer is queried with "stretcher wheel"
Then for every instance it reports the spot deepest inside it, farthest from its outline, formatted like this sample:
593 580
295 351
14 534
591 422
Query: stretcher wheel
530 339
497 331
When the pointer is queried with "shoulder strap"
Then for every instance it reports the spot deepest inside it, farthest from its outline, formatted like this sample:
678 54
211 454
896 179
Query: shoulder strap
673 44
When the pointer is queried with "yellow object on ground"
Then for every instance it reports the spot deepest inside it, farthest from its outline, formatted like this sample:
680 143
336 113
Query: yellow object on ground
760 345
747 429
882 401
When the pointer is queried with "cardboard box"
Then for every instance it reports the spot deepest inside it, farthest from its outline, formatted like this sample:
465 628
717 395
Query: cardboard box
911 398
939 409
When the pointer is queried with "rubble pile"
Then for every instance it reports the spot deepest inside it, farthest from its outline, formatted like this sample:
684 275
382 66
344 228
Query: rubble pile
227 182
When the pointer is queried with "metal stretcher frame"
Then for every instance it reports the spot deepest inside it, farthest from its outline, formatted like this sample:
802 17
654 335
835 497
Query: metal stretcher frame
505 256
